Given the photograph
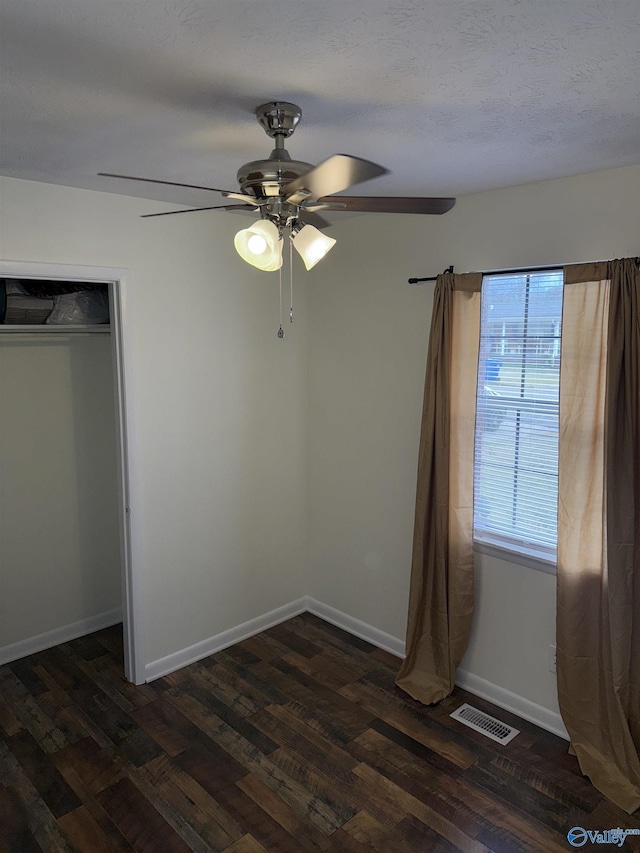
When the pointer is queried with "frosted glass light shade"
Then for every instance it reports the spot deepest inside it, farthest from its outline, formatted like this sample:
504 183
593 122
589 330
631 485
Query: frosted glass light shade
312 245
260 245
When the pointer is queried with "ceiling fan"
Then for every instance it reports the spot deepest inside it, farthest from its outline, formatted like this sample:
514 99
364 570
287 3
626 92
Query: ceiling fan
287 194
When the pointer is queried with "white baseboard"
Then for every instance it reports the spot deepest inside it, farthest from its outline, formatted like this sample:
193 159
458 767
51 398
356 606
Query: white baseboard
356 627
525 708
172 662
23 648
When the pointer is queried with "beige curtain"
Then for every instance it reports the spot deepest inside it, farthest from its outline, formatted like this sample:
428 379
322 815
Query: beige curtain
441 595
598 615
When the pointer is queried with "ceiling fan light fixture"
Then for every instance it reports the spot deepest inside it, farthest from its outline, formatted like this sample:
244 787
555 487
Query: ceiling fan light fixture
311 244
260 245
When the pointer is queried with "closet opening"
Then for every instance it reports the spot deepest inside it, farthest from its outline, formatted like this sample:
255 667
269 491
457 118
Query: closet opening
65 445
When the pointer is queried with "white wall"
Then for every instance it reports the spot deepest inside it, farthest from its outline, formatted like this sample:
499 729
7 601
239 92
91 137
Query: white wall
59 542
218 405
368 342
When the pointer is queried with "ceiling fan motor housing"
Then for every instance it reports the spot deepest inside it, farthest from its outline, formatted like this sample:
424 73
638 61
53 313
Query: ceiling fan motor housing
263 178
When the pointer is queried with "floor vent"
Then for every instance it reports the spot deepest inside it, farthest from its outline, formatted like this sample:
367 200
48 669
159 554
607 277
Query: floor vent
485 724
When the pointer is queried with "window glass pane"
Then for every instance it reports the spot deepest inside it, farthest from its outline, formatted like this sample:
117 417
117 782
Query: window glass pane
516 455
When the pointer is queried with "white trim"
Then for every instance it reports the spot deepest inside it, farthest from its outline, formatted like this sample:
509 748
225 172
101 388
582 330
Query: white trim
66 272
115 278
132 598
525 708
172 662
511 555
359 629
23 648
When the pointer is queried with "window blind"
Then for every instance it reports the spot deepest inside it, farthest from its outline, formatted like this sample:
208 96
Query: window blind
516 446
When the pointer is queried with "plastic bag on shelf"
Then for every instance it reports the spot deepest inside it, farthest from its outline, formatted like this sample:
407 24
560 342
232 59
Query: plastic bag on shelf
84 308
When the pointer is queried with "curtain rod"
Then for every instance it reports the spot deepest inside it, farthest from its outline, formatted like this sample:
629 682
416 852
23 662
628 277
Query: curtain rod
491 272
430 278
501 272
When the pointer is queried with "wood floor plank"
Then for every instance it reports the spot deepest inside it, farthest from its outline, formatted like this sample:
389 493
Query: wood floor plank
293 641
342 842
170 729
391 661
25 669
230 692
87 836
43 773
231 687
9 723
38 820
173 818
331 632
29 713
373 835
478 813
113 641
246 844
296 825
522 796
255 820
321 669
109 678
87 767
578 794
15 834
288 731
207 817
448 749
265 647
350 715
138 821
406 803
418 836
343 653
431 786
326 816
225 715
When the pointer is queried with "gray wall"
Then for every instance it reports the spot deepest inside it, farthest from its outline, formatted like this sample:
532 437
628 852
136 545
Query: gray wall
59 541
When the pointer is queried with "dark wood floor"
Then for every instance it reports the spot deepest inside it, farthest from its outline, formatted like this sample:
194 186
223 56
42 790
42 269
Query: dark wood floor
295 740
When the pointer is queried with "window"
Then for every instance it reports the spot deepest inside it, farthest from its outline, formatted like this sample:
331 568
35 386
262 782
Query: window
516 446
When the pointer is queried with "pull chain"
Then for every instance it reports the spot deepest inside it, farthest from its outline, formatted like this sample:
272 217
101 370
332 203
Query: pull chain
291 280
280 330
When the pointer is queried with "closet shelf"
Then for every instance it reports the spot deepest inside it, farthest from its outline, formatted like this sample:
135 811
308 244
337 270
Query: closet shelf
43 329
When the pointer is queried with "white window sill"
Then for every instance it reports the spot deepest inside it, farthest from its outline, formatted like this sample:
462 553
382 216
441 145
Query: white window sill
520 558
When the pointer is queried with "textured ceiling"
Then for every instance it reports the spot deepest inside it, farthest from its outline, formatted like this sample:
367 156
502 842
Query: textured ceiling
453 97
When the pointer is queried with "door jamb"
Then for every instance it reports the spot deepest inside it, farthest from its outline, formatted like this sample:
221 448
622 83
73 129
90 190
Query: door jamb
134 667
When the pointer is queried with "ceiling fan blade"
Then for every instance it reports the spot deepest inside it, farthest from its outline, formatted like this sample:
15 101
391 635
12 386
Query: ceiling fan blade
333 175
247 198
243 207
310 218
391 204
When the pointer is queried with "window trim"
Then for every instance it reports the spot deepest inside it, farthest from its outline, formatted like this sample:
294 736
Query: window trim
520 555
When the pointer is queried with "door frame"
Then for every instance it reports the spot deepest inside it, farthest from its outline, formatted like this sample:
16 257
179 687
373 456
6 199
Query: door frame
134 666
